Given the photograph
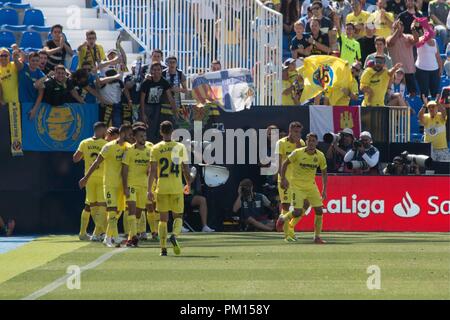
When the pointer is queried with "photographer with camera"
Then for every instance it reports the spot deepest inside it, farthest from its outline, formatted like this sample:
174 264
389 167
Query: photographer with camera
364 157
434 128
251 206
400 167
340 144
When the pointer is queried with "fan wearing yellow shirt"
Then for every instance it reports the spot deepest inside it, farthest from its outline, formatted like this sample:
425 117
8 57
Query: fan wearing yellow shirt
135 167
112 155
284 147
305 162
375 82
168 163
95 204
358 18
9 75
382 20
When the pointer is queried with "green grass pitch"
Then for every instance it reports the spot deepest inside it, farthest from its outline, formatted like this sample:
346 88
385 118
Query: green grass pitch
252 266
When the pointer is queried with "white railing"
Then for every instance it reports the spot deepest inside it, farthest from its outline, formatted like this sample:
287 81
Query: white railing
399 124
238 33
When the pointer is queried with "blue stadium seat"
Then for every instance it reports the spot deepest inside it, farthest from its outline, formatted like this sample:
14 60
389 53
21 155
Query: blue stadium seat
43 29
13 28
17 6
31 40
74 63
33 17
9 16
7 39
445 81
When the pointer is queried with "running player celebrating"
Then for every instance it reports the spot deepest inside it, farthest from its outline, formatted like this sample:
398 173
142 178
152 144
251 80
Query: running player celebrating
166 159
135 165
305 162
284 148
112 154
95 204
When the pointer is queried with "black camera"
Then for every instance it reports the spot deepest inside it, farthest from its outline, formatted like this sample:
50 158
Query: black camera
357 144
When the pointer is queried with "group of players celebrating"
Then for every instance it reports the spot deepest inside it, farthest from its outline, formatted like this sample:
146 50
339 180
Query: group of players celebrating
124 173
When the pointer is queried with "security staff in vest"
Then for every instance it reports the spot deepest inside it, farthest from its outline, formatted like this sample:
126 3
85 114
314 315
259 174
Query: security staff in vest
364 157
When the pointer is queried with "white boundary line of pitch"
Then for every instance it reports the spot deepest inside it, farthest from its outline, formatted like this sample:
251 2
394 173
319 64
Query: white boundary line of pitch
60 281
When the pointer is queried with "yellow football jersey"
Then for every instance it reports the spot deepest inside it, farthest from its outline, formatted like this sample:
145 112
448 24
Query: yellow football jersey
91 148
435 130
113 152
284 148
169 157
138 161
9 79
304 166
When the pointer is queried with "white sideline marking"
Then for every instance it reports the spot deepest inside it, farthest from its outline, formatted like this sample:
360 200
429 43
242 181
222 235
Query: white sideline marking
59 282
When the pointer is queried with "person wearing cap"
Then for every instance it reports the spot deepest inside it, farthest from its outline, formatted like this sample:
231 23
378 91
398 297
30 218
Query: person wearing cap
401 50
397 91
382 20
9 75
380 47
364 153
358 17
326 25
300 47
338 149
349 47
91 51
367 43
289 95
375 82
57 47
435 130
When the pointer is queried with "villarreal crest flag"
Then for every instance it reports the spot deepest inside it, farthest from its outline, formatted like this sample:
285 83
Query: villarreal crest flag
323 72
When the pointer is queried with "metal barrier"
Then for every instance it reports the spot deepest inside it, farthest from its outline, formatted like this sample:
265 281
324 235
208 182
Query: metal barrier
399 124
239 33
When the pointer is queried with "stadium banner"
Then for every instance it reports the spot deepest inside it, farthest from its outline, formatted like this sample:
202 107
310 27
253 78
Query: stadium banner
386 203
232 89
322 72
58 128
15 129
324 119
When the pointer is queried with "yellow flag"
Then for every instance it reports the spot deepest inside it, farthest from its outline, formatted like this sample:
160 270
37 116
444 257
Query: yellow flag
323 72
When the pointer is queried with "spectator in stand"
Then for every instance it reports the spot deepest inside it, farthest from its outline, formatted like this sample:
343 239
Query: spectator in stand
447 61
396 7
363 157
156 57
341 95
91 51
400 47
438 11
397 90
434 128
327 8
29 73
367 43
9 75
251 206
215 66
341 9
87 94
382 20
300 47
338 149
326 25
43 62
375 82
380 46
307 17
154 91
111 89
177 81
133 86
57 47
112 62
428 67
407 16
358 17
290 9
349 47
320 41
289 96
82 86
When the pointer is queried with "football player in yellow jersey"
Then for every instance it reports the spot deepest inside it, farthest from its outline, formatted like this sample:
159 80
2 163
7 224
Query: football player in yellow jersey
112 154
95 203
284 148
304 163
135 167
112 134
168 162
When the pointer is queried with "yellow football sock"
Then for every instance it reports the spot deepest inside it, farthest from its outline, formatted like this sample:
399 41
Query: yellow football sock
132 226
152 218
111 229
286 228
162 231
102 219
177 224
142 224
318 219
84 221
95 216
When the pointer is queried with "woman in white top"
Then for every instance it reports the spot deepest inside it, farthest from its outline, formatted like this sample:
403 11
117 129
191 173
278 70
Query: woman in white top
428 68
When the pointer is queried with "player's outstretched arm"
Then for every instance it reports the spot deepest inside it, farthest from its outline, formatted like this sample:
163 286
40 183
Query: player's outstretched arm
94 166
